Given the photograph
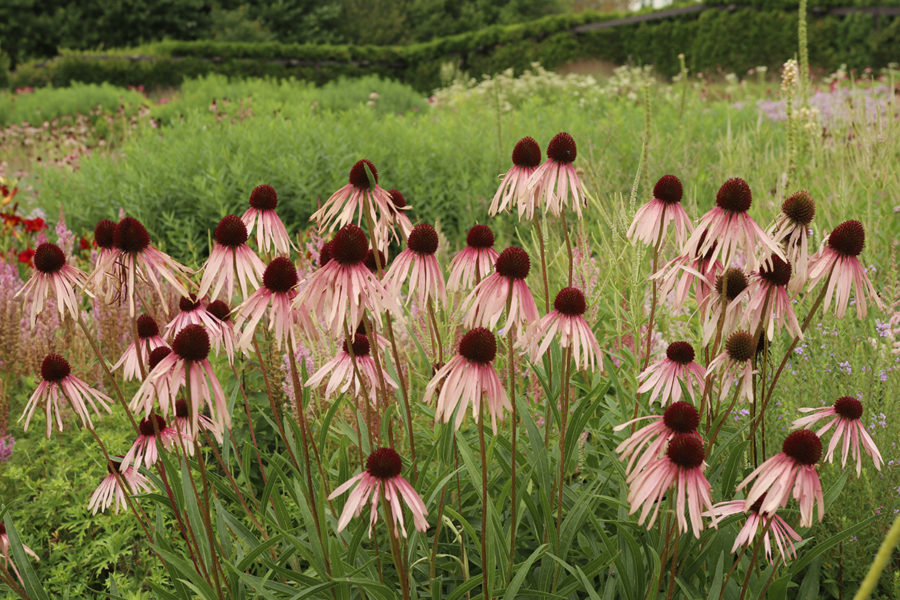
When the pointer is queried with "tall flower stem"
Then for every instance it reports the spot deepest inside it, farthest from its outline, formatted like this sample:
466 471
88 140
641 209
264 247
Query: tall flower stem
565 225
207 522
276 413
540 235
9 580
563 420
656 247
515 428
437 335
399 563
756 545
881 560
238 379
485 590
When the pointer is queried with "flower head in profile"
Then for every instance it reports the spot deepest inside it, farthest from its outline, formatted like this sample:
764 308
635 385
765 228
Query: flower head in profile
669 377
59 385
725 298
340 292
685 271
648 443
104 282
191 311
682 466
154 433
340 371
757 522
566 320
270 231
555 183
418 266
182 424
768 303
359 200
526 157
400 206
110 491
138 352
845 416
231 259
736 364
276 294
468 379
837 265
791 230
652 219
728 228
791 472
223 334
474 261
505 286
52 276
381 479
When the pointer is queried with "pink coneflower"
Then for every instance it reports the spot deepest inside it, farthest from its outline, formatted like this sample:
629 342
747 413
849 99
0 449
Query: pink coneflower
526 157
652 219
110 491
567 320
418 265
683 466
372 263
359 195
756 522
467 378
685 271
474 261
381 479
845 417
506 284
58 383
728 228
666 378
162 384
188 361
153 433
399 205
104 282
5 558
342 374
270 231
340 292
648 443
51 276
736 365
231 258
555 182
730 283
135 258
791 229
138 352
191 311
182 425
837 264
767 298
278 288
790 472
223 333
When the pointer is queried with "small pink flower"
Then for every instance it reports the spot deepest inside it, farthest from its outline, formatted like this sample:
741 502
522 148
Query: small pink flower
57 384
182 425
342 374
270 231
467 379
736 365
652 219
844 416
728 228
555 183
110 492
685 271
666 378
381 479
279 291
52 276
489 299
513 190
649 442
418 266
837 264
682 466
567 320
474 261
398 216
138 353
790 472
791 229
223 334
756 522
768 303
153 433
191 311
731 283
231 258
104 281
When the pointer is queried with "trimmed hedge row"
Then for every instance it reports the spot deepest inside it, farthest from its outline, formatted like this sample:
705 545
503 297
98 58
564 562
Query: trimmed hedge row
728 40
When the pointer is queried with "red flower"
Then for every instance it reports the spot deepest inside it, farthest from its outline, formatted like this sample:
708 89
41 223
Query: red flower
11 219
26 256
34 225
84 244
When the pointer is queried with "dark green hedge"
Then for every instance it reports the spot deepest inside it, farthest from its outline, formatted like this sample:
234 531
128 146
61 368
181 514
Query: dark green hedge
726 40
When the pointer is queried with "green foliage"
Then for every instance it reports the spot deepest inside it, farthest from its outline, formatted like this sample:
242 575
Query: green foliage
46 104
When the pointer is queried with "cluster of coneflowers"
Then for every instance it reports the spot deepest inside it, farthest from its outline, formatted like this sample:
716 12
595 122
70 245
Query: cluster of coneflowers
741 277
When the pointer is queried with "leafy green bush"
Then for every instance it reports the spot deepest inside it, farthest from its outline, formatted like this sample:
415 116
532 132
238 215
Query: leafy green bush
49 103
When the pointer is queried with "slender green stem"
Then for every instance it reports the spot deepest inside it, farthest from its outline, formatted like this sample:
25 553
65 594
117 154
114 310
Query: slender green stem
881 560
276 413
540 235
395 546
485 590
